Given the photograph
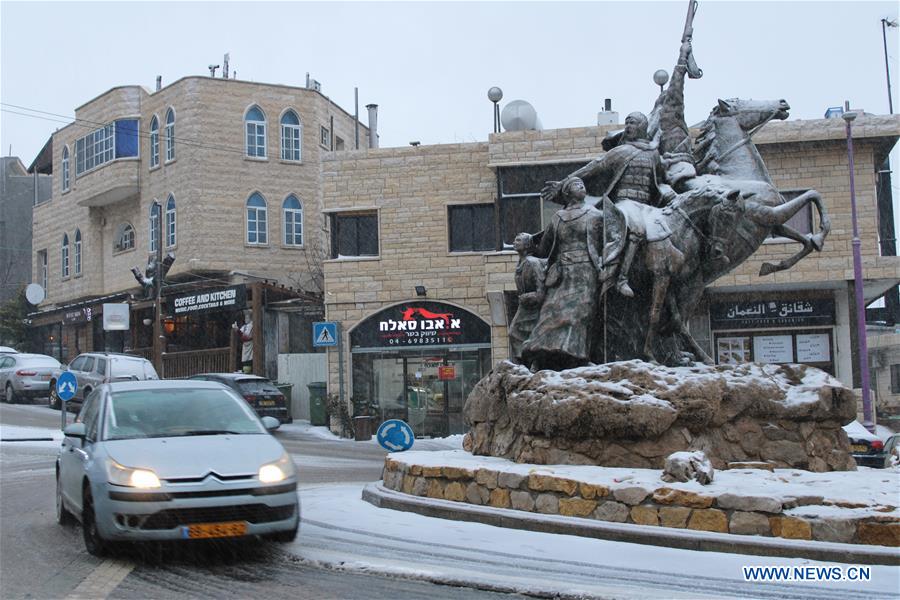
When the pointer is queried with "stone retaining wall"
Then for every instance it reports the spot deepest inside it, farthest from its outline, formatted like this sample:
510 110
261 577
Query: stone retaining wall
663 506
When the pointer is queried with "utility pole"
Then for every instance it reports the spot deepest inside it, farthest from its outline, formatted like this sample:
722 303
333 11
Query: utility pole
157 280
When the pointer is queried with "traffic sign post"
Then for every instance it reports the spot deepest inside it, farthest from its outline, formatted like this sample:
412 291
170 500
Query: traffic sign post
395 435
66 386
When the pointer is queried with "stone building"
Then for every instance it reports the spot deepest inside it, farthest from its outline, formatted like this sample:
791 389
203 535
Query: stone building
421 271
20 191
224 174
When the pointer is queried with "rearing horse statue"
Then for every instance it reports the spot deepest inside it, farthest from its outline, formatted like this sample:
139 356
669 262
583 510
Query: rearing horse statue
721 217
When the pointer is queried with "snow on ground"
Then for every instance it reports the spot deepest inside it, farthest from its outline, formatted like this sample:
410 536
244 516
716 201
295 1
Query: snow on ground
341 530
452 442
868 486
31 436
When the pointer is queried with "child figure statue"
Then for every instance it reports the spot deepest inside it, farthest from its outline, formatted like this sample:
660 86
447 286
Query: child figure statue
530 273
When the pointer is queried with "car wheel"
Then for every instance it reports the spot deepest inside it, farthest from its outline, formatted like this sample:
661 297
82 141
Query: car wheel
54 400
11 394
93 541
63 516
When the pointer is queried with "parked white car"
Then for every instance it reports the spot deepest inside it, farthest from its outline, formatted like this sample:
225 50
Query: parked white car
25 376
173 460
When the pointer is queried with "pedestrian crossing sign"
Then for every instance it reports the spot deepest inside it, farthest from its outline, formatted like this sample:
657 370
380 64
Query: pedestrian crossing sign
325 334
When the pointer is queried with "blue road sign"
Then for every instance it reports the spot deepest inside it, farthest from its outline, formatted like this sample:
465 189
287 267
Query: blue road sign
66 386
395 435
325 334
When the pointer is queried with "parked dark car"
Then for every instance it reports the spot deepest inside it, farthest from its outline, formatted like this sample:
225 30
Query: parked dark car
259 392
866 448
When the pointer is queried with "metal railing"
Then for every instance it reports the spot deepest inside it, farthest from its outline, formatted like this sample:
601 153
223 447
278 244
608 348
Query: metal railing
178 365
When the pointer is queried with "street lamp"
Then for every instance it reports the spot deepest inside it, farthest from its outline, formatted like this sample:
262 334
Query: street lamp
885 23
868 421
495 94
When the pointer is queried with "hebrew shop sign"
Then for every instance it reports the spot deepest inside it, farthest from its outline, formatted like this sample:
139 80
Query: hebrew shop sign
425 323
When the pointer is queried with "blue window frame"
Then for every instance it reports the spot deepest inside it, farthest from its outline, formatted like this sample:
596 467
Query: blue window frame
154 142
257 221
255 122
293 221
170 222
290 136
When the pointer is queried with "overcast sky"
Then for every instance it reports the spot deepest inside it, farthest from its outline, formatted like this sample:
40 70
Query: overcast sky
429 65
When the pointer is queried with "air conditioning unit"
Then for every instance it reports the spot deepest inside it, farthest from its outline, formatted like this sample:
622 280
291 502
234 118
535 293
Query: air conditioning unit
314 85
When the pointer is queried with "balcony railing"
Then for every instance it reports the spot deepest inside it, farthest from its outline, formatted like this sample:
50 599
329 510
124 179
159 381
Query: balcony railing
178 365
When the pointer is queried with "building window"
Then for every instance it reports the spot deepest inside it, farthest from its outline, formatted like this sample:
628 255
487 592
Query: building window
325 137
154 142
154 224
895 379
95 149
293 221
77 252
124 239
256 132
64 256
257 223
43 275
65 169
290 136
170 222
802 221
354 234
170 135
521 207
471 227
338 143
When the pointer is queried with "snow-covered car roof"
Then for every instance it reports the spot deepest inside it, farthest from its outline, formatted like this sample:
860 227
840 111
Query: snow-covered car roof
856 430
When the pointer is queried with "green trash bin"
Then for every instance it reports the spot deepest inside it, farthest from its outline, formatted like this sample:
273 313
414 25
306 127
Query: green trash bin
285 389
318 414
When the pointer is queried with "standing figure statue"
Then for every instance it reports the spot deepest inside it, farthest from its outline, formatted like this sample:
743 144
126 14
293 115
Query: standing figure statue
630 174
530 274
563 335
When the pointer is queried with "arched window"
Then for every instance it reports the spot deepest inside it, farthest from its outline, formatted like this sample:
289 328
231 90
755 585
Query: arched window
64 256
293 221
124 239
154 225
154 142
170 221
256 132
65 169
290 136
77 252
170 135
257 223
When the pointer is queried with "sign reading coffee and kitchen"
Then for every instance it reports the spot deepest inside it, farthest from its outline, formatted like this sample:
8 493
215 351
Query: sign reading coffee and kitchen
771 313
230 298
420 324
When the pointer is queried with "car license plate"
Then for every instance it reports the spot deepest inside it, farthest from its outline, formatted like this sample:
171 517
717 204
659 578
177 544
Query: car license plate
860 448
267 403
215 530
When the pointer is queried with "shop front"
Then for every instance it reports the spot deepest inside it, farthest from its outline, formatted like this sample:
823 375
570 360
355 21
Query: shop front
774 330
418 361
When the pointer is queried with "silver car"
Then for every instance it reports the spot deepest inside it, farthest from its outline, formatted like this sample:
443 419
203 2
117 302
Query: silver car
173 460
26 376
95 368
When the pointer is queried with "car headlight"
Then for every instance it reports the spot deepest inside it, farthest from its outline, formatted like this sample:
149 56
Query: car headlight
278 470
126 476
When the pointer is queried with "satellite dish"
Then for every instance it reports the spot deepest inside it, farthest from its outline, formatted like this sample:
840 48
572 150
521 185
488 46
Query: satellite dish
34 293
519 115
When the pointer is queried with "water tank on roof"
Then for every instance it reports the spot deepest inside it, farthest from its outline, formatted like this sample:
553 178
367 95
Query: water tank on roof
519 115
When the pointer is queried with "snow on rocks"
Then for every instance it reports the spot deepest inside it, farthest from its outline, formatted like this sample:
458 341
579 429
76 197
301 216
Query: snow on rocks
684 466
636 414
851 507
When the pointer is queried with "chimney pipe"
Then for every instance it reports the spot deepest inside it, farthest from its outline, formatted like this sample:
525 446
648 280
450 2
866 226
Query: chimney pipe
158 82
373 125
225 65
607 104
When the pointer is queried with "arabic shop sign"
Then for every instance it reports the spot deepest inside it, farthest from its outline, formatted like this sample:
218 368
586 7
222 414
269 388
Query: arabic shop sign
230 298
420 324
771 313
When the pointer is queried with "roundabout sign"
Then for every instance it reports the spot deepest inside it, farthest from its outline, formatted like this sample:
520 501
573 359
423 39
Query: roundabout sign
395 435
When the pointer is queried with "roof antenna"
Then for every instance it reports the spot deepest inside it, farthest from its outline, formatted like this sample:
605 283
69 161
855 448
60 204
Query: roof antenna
225 65
212 70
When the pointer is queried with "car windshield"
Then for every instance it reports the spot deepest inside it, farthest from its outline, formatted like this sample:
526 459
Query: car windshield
177 412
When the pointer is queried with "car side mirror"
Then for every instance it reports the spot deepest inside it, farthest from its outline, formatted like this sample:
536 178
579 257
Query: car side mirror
271 423
75 430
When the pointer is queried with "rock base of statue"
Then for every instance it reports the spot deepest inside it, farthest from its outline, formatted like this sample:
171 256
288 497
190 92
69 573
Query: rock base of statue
635 414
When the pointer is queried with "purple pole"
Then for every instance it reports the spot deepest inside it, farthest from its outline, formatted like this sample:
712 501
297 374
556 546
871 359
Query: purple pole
868 421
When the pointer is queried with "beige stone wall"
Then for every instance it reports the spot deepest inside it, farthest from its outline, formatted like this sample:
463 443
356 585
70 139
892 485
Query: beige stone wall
210 178
884 351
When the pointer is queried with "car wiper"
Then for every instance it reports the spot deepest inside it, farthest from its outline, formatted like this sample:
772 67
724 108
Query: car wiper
210 432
